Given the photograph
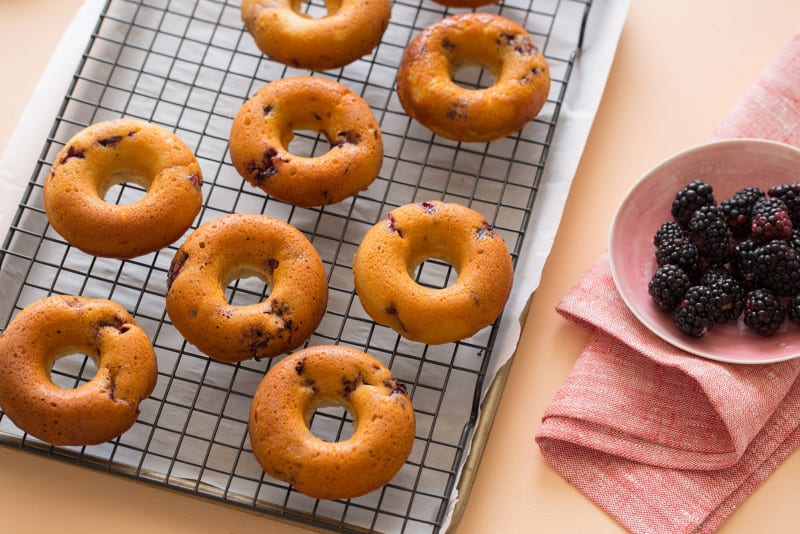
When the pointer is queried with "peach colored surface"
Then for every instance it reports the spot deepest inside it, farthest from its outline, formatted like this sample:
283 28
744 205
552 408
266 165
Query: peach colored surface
680 67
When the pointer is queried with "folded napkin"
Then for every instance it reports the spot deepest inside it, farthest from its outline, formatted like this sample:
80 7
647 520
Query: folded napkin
664 441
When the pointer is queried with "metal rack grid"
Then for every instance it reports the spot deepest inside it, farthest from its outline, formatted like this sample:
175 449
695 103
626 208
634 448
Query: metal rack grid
188 65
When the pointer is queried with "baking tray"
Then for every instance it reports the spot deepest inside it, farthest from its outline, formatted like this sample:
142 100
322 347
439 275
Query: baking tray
188 66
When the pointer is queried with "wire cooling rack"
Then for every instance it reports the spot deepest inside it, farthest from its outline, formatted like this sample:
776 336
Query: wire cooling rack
188 66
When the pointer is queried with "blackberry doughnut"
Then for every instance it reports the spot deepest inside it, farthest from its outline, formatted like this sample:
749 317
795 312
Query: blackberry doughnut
96 411
428 93
240 246
123 151
265 125
351 29
383 420
391 250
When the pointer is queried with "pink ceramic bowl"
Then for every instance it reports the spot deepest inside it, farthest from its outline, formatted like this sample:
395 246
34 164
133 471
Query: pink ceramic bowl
727 166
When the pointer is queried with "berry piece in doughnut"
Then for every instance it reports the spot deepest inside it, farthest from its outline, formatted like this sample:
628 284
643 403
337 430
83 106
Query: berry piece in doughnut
521 77
96 411
239 246
265 125
351 29
319 376
109 153
390 252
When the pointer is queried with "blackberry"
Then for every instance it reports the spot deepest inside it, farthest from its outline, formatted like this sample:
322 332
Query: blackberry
710 233
738 209
777 268
794 237
763 312
667 286
770 220
793 308
692 197
727 296
681 252
694 315
714 272
668 230
744 263
790 194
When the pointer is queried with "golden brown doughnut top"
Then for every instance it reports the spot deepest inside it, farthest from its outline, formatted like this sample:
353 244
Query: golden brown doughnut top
385 263
240 246
265 125
119 151
95 411
383 419
351 29
428 93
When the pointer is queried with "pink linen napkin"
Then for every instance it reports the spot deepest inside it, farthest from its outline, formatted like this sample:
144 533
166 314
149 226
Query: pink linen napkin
661 440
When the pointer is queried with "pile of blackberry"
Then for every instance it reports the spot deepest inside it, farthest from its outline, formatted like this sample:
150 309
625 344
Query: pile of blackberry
740 257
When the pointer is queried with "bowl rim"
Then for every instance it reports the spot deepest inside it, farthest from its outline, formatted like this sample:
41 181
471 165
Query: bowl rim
639 182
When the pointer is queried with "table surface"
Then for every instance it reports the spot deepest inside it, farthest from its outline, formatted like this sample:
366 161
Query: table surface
680 67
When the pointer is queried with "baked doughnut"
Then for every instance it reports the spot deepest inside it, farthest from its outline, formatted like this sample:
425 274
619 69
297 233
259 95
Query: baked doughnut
240 246
351 29
428 93
96 411
391 250
383 421
123 151
265 125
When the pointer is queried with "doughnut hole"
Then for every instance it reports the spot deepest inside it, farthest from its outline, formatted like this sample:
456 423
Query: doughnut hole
247 286
313 9
127 177
472 77
436 262
124 192
473 63
308 143
307 131
330 421
434 273
73 368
